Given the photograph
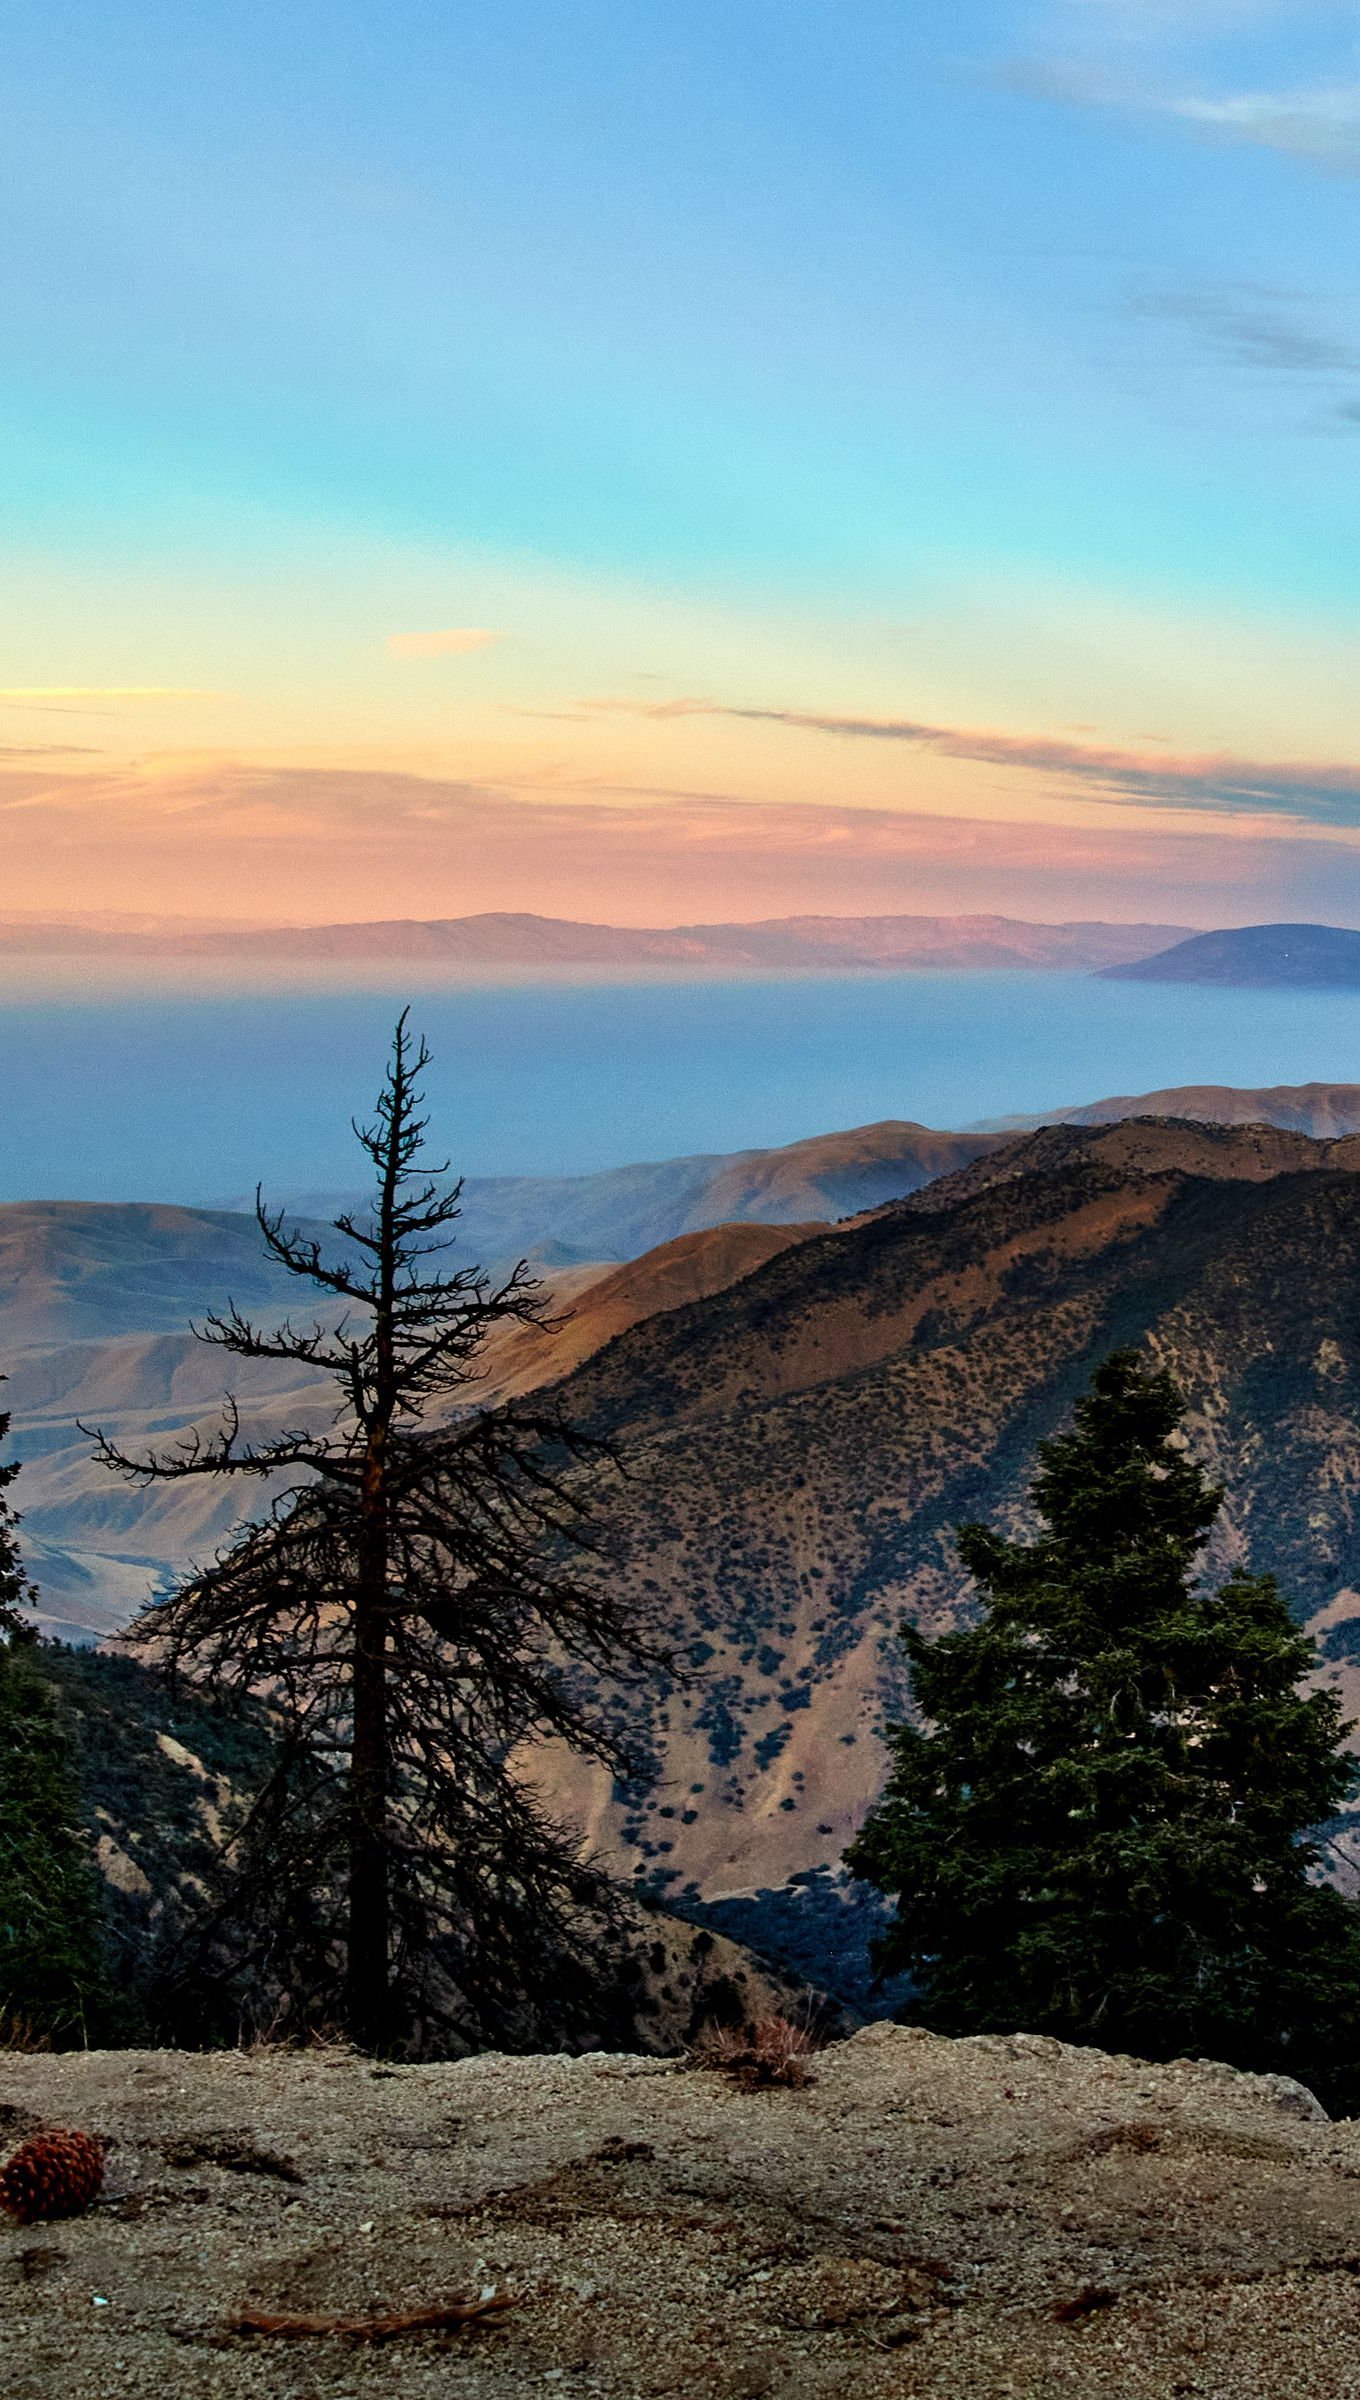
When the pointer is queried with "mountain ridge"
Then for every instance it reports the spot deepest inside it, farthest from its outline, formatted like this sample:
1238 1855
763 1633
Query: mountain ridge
1252 957
1321 1109
806 1411
617 1213
520 940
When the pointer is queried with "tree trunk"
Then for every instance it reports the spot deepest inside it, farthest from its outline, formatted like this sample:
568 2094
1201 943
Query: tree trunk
369 1905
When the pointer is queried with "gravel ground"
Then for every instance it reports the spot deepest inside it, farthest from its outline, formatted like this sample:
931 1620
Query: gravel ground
955 2220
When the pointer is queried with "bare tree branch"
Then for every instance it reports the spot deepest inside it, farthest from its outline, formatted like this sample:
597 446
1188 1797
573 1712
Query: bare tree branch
420 1601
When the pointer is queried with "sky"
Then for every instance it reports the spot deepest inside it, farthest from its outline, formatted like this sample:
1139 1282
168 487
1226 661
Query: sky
668 460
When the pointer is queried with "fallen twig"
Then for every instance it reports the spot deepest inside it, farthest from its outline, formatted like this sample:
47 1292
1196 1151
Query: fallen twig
448 2317
238 2156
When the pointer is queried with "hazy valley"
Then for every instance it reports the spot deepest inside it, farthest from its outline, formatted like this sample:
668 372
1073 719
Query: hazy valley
805 1408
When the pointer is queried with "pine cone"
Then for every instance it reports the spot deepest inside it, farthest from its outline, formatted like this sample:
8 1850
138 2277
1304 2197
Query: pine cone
53 2175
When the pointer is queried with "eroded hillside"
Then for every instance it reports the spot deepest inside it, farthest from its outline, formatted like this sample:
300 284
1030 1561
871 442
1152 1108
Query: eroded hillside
801 1445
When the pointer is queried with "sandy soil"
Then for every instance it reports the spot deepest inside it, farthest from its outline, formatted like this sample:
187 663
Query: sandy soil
961 2219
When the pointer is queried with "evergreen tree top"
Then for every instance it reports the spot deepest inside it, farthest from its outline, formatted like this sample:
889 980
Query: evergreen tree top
1126 1510
1120 1480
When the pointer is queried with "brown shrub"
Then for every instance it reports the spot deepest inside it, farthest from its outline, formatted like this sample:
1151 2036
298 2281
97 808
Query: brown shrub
771 2054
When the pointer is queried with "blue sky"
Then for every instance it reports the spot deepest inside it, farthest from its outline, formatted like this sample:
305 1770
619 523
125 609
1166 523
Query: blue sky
981 366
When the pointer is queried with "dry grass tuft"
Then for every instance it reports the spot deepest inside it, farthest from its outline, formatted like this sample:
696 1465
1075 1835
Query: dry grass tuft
283 2034
772 2054
20 2035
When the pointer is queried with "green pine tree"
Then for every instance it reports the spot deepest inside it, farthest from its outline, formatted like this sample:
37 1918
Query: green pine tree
1100 1829
15 1590
52 1985
51 1935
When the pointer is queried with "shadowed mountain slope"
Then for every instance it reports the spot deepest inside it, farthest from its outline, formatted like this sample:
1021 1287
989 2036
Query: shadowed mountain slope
74 1271
71 1275
1263 957
801 1445
805 1414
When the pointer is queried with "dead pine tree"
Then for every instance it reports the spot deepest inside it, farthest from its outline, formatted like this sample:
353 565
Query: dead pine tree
424 1594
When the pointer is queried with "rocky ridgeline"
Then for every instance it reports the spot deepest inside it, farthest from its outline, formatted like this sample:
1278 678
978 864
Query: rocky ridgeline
1004 2215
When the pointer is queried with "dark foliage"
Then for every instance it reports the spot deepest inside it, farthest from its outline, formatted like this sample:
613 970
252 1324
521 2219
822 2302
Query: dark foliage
168 1775
16 1592
53 1983
820 1926
425 1597
1100 1830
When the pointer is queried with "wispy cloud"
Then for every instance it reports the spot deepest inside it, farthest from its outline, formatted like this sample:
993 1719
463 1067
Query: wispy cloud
1257 329
448 641
1276 333
1324 794
1320 125
1071 83
1149 57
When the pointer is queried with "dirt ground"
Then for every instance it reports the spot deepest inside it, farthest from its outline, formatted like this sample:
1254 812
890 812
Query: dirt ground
956 2220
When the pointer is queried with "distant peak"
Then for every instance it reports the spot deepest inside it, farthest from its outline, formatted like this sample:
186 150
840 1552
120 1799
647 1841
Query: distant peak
1280 957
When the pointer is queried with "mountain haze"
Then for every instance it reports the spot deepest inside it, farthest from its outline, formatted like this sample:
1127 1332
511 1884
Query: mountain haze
622 1211
96 1301
73 1271
96 1545
501 941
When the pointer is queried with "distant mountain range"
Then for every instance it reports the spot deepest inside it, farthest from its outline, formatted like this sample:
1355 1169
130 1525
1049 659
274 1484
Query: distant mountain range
1260 957
513 942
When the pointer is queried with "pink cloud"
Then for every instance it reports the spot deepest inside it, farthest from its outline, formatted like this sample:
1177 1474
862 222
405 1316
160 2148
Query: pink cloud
317 844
